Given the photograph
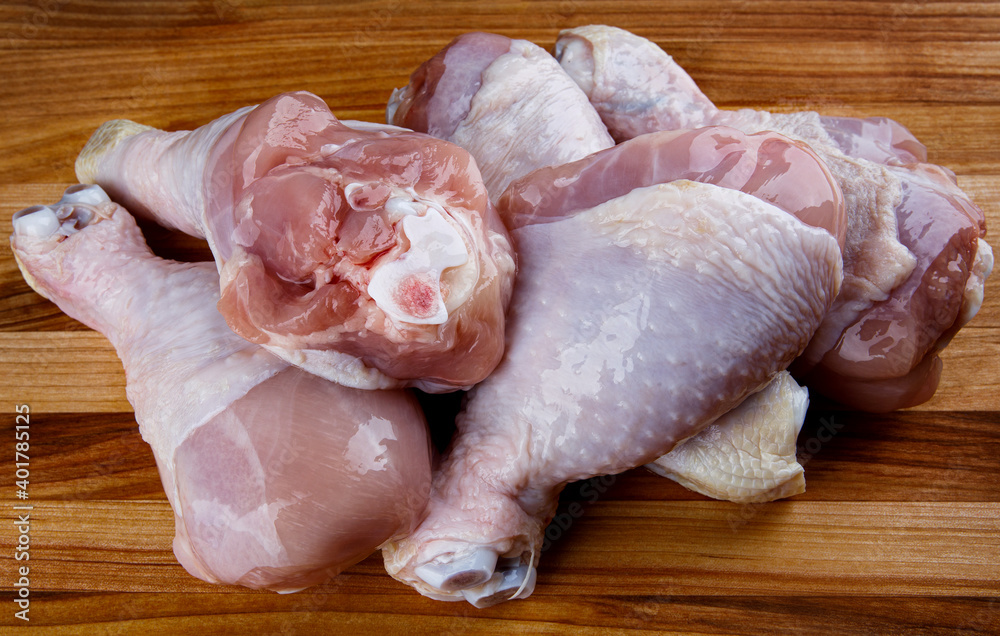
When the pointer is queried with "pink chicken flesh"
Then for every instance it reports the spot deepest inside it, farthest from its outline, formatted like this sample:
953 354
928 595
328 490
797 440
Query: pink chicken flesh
914 257
278 479
766 165
367 254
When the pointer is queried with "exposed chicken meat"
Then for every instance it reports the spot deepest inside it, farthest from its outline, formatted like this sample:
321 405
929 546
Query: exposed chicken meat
766 165
634 324
278 479
367 254
505 101
914 258
889 355
877 139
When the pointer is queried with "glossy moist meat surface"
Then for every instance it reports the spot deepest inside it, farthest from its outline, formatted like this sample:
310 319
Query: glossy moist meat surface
914 256
367 254
766 165
634 324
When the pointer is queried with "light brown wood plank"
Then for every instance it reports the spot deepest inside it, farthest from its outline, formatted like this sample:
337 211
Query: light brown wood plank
798 19
688 548
72 371
346 57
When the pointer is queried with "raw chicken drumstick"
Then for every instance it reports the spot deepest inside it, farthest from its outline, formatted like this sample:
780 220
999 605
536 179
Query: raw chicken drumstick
915 261
509 104
367 254
278 479
634 324
736 459
505 101
478 71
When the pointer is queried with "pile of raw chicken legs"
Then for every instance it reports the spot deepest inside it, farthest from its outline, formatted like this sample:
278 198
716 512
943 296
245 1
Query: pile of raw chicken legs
616 271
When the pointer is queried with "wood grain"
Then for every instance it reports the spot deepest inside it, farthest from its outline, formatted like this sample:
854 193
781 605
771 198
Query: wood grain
899 530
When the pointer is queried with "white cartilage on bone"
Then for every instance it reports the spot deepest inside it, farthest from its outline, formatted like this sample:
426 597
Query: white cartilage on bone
37 221
92 194
461 572
507 584
399 206
349 191
434 247
70 214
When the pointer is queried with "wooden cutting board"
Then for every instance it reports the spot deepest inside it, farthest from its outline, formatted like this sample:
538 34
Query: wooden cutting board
899 530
